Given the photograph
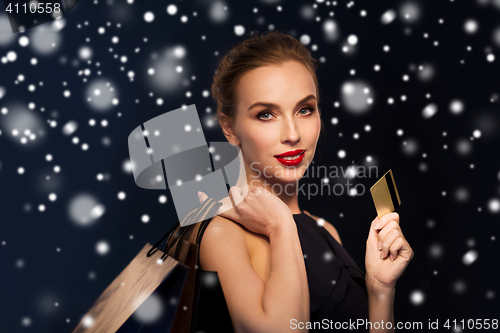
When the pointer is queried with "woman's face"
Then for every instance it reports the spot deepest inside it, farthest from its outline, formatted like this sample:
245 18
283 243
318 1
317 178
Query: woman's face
277 113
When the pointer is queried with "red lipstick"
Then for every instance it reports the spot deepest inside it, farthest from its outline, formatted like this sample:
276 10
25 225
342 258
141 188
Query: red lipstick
288 161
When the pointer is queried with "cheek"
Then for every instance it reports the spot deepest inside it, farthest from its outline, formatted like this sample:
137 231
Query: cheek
311 130
316 129
257 141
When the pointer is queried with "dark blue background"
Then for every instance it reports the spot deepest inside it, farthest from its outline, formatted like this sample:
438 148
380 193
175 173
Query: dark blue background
49 276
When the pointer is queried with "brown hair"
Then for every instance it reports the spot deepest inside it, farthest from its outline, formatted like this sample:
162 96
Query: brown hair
270 48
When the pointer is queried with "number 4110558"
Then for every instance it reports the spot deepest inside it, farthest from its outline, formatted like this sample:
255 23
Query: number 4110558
473 324
47 7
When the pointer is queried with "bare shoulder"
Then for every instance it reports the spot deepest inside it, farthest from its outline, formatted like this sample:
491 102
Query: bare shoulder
227 241
328 226
221 235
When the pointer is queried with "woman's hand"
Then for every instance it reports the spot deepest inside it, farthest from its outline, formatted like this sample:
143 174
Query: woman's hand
256 209
386 241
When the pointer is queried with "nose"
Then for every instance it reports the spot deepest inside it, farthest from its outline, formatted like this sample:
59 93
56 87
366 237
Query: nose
290 132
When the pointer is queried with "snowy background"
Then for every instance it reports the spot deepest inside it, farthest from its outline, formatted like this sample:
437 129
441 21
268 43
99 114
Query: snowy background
411 86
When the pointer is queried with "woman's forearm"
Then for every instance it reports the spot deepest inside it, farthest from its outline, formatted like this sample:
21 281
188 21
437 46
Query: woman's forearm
286 294
381 310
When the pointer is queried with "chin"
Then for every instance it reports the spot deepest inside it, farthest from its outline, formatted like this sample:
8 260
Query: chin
291 175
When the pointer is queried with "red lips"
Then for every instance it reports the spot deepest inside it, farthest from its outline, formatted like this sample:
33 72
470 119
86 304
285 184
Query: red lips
290 153
290 162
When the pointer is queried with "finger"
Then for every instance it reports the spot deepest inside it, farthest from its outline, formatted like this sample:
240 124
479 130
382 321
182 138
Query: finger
227 209
244 191
256 190
202 196
387 229
235 194
375 237
375 223
395 247
228 212
384 220
388 241
371 241
406 251
226 205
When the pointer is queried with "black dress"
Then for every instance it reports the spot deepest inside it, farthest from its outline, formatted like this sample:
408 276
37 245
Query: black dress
337 289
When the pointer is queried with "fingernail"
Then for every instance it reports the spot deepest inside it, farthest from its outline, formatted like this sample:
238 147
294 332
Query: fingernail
392 259
382 256
377 226
379 245
199 194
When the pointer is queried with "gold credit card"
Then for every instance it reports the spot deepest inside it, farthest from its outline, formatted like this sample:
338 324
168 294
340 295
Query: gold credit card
385 194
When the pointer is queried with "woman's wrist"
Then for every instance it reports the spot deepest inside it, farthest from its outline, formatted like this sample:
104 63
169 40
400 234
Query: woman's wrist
284 223
377 290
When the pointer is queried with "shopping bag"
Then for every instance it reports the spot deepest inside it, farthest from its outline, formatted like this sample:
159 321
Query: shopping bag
133 287
157 291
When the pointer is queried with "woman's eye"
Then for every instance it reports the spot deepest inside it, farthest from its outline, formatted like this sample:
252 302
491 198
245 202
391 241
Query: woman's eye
260 115
309 109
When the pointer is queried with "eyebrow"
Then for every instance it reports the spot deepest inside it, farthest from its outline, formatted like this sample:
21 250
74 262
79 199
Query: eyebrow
275 106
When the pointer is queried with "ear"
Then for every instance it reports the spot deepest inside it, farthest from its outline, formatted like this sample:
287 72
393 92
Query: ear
227 129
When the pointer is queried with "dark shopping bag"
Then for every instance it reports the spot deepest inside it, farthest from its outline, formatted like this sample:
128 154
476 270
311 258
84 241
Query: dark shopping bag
157 291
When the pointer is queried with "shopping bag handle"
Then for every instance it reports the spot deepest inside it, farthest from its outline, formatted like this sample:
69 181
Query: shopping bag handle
209 205
155 247
208 208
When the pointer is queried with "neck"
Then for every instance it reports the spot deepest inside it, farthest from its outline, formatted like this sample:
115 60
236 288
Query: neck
287 192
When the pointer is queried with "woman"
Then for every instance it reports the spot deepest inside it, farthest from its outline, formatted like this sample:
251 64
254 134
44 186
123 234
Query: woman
279 269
